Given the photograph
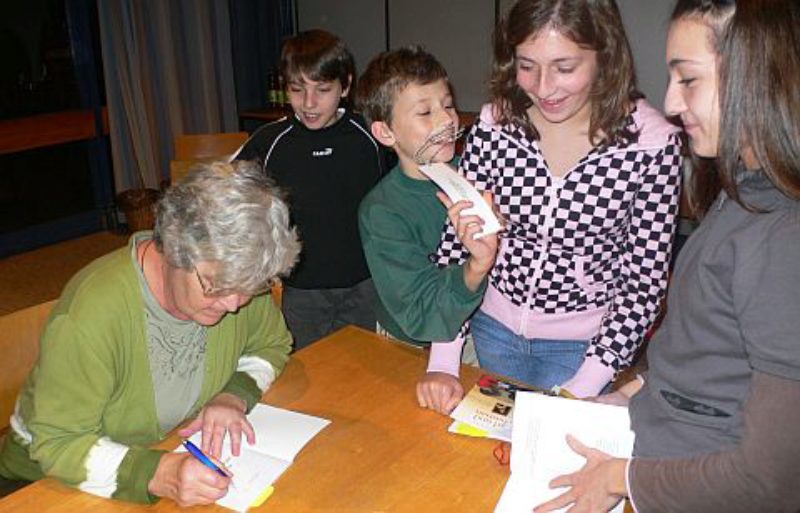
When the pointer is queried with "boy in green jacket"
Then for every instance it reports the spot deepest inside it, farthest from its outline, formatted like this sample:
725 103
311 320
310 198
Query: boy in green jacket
405 97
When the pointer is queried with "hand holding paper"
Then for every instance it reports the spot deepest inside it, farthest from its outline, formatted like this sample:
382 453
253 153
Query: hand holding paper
482 250
542 456
457 189
597 486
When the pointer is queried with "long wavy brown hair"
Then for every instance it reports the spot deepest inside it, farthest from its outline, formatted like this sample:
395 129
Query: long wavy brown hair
759 97
592 24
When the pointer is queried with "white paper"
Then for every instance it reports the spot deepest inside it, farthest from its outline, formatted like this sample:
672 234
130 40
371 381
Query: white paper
252 472
540 451
280 435
458 188
283 432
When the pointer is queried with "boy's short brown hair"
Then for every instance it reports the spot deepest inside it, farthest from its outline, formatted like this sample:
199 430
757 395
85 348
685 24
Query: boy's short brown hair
388 74
320 56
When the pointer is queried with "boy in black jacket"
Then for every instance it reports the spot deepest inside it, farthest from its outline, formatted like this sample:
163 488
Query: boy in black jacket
326 161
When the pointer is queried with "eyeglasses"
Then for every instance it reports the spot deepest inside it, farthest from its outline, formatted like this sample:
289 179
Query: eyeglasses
208 290
211 291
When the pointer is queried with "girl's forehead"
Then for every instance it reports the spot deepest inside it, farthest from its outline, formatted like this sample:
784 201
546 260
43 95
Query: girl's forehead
549 43
689 39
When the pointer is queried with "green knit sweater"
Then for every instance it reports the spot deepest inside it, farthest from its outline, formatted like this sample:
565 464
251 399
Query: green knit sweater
401 222
91 389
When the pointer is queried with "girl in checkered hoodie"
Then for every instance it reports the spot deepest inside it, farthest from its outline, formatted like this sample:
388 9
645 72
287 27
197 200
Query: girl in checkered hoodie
587 176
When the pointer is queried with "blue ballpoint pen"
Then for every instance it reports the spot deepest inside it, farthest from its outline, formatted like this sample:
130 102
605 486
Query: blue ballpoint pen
203 458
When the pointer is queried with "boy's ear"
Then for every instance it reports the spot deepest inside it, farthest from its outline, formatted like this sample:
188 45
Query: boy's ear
381 131
346 87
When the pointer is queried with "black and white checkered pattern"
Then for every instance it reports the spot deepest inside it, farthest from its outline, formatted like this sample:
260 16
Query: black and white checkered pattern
598 237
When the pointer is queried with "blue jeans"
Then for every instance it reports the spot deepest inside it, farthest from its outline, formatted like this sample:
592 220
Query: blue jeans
542 363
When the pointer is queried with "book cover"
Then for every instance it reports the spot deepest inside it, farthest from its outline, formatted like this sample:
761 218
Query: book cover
540 451
487 410
280 435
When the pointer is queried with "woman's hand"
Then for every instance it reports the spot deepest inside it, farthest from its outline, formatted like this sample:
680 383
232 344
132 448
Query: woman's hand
620 397
614 398
598 486
439 391
182 478
482 251
225 413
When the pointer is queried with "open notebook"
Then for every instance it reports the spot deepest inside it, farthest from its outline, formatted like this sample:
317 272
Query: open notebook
540 452
280 435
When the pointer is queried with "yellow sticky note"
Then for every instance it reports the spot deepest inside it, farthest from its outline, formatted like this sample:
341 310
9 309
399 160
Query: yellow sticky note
261 499
468 430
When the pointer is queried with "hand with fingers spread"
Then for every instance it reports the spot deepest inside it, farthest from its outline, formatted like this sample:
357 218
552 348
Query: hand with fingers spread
483 251
439 391
184 479
225 413
598 486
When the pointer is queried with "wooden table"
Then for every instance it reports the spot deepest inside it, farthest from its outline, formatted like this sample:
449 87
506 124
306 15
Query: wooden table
381 453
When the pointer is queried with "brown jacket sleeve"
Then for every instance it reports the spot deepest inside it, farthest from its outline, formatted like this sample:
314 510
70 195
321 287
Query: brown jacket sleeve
760 474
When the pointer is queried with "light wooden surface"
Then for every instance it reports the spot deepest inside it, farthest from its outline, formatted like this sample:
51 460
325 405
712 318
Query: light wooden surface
37 276
19 347
178 169
381 453
191 149
44 130
204 146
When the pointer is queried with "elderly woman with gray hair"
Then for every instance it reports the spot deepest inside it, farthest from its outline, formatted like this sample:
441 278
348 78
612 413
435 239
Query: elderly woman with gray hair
175 326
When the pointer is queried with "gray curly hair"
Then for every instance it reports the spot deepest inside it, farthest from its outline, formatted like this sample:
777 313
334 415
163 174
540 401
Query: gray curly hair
233 216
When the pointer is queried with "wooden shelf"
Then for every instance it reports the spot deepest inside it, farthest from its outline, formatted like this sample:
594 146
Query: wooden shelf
49 129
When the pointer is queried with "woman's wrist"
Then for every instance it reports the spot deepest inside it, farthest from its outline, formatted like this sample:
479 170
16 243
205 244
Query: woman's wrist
164 482
232 400
616 476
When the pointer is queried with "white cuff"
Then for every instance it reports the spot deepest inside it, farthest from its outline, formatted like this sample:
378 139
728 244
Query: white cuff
446 356
102 466
259 369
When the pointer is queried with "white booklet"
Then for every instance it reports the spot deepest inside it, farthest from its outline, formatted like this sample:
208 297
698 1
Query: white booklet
280 435
540 452
458 188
